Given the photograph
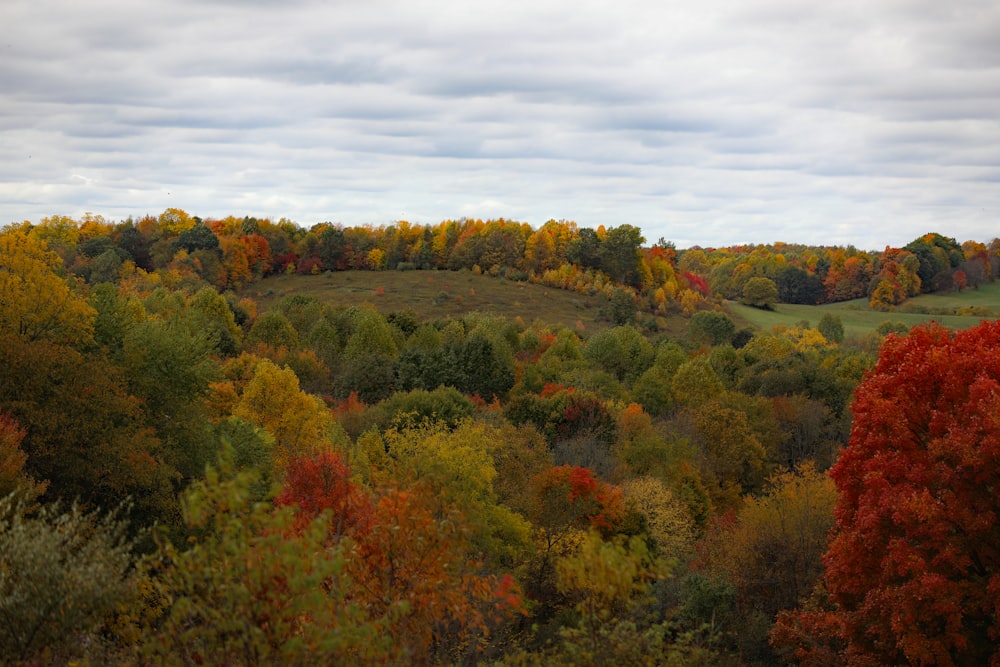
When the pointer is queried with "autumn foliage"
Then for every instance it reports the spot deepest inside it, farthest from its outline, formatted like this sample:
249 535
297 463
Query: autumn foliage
408 561
913 571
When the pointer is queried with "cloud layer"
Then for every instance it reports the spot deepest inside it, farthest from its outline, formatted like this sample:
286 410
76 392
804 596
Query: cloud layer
711 123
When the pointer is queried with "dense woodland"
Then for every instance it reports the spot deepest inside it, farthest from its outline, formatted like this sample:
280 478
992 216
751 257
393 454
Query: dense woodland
193 479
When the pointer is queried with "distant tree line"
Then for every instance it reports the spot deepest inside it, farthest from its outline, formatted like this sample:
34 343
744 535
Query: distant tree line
659 279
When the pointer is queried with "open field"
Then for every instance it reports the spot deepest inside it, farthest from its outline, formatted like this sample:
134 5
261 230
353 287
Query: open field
438 294
858 319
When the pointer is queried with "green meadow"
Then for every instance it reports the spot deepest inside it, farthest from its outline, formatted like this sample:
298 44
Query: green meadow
859 319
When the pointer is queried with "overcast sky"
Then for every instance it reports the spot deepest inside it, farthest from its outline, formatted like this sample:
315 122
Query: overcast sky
707 122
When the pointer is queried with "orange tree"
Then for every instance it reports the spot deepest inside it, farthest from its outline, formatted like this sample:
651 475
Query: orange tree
913 569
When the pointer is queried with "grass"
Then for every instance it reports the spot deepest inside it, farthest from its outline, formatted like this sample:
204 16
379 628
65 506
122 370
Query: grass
438 294
859 320
442 294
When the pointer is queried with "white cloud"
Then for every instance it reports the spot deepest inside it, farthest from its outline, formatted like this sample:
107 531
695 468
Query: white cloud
715 122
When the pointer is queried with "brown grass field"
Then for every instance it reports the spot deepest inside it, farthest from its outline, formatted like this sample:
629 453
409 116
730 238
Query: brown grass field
438 294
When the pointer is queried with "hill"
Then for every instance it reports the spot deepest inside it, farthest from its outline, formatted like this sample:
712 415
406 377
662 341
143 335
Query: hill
438 294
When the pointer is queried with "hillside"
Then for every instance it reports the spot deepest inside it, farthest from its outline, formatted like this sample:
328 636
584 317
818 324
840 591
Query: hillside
438 294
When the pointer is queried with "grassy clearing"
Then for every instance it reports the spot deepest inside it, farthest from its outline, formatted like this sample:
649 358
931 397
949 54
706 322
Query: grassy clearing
441 294
438 294
858 319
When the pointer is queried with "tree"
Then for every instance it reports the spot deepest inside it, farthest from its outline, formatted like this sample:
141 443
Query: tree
273 329
914 566
695 382
83 432
36 303
13 479
487 369
619 253
712 327
771 553
796 285
570 497
831 327
251 589
457 471
299 422
209 313
937 256
621 307
760 292
585 249
668 520
169 364
62 574
198 237
733 458
621 351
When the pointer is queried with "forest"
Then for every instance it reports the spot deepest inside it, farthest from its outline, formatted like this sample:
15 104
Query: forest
191 475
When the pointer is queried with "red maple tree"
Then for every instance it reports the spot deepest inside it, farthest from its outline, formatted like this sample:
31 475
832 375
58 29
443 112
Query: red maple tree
913 569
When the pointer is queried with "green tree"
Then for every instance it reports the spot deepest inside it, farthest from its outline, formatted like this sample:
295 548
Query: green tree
170 365
248 590
696 382
275 330
209 313
619 253
711 327
621 351
486 366
585 249
198 237
760 292
621 307
418 406
62 575
938 256
796 285
831 327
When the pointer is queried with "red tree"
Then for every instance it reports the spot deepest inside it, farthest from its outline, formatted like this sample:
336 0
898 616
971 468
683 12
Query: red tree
323 482
913 569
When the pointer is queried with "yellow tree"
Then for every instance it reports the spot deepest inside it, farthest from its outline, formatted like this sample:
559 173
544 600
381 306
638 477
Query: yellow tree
668 519
175 221
772 552
36 303
59 233
299 422
540 252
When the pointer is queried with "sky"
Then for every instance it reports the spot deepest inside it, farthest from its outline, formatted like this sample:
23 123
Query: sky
704 122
